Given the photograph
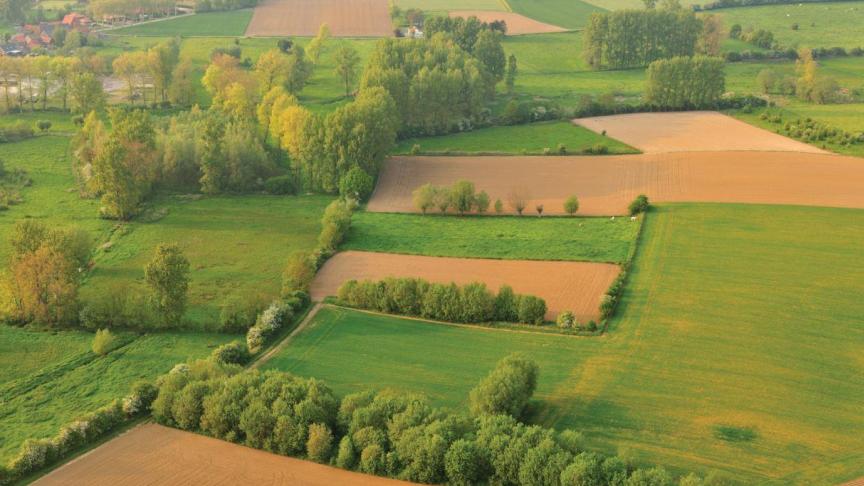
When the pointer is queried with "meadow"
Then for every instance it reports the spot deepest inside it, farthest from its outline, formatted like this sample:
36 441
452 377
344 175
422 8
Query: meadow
504 237
570 14
236 245
818 24
723 356
54 379
222 24
530 139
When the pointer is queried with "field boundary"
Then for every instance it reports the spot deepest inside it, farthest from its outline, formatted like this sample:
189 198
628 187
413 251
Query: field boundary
274 350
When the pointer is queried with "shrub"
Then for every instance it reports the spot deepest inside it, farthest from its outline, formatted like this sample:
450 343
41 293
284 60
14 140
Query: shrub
299 272
103 342
607 306
481 202
462 196
639 205
43 125
561 149
415 149
597 149
499 206
356 184
346 458
140 398
531 309
424 197
234 352
566 320
238 314
507 389
571 205
35 454
280 185
506 309
268 324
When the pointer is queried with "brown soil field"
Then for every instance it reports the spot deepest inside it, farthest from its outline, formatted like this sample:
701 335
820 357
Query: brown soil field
574 286
693 131
605 185
152 454
517 24
346 18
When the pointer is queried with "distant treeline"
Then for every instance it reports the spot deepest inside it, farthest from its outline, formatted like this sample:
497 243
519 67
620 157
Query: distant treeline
754 3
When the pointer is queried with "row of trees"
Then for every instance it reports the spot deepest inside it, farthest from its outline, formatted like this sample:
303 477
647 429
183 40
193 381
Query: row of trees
685 82
436 85
32 81
634 38
47 266
470 303
394 434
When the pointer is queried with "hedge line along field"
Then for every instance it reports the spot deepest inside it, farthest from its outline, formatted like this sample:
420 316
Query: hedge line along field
55 379
220 24
818 24
506 237
722 357
236 246
530 139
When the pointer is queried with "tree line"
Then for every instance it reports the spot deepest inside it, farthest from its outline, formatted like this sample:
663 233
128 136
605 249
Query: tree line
685 82
396 434
634 38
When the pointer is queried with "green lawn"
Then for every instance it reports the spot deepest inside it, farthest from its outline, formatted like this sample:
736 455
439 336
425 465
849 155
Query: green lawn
57 378
504 237
219 24
533 138
570 14
819 24
736 318
237 246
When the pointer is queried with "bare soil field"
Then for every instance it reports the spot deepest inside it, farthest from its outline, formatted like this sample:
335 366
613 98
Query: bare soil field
605 185
517 24
694 131
574 286
153 454
346 18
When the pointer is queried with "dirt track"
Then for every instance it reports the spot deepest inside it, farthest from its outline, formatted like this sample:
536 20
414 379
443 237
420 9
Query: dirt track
517 24
606 184
151 454
694 131
346 18
575 286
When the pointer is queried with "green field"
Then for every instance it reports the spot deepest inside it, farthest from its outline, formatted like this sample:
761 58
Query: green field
447 5
530 139
737 318
57 378
220 24
504 237
570 14
236 246
819 24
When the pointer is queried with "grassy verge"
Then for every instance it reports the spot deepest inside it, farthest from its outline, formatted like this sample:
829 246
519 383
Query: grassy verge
504 237
531 139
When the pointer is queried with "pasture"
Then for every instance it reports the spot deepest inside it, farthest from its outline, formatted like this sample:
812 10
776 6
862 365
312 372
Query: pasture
504 237
570 14
57 378
723 328
817 24
219 24
236 246
530 139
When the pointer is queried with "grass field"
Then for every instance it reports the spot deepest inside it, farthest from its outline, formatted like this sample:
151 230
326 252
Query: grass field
57 378
220 24
236 246
570 14
447 5
530 139
819 24
504 237
723 356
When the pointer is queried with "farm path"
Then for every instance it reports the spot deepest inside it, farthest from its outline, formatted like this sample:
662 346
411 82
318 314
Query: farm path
285 342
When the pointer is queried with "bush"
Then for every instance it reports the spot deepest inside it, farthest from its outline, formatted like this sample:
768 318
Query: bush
531 309
639 205
234 352
268 324
239 314
571 205
280 185
140 398
507 389
103 342
44 125
299 272
320 443
356 184
566 320
16 132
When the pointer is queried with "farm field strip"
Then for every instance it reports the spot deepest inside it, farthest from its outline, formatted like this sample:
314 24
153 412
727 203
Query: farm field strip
704 131
517 24
605 185
153 454
346 18
574 286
